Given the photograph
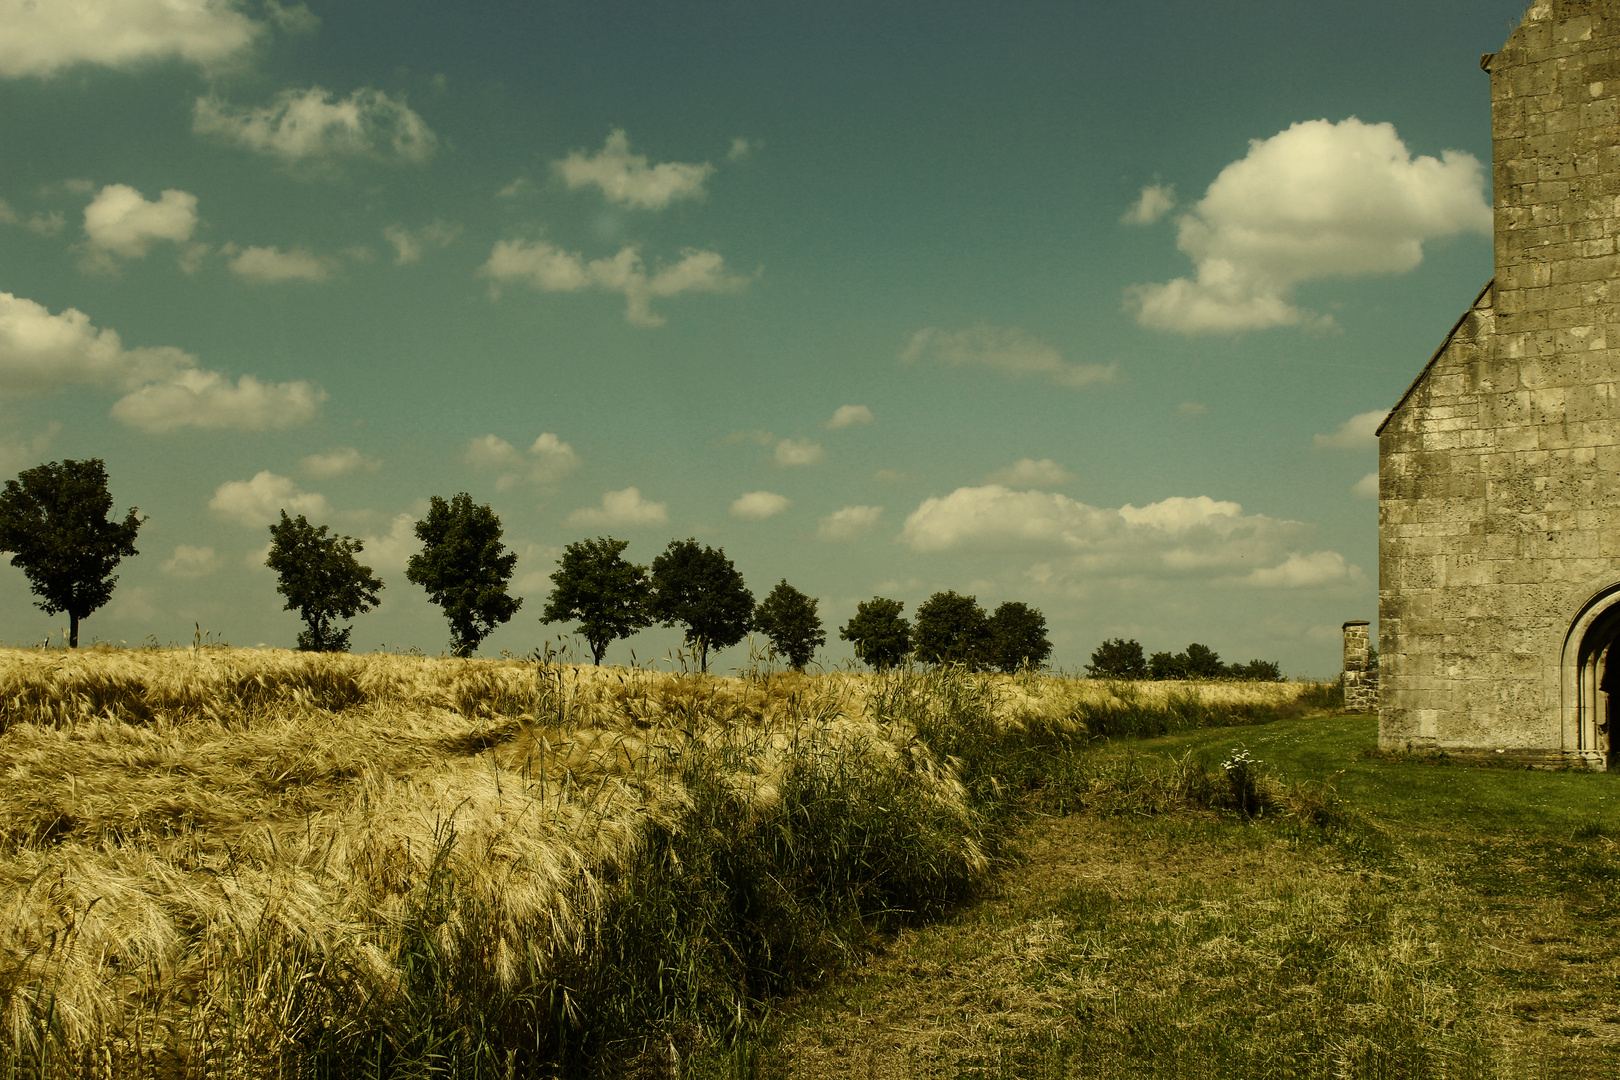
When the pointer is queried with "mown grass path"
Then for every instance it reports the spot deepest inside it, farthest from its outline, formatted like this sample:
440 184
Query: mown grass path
1463 921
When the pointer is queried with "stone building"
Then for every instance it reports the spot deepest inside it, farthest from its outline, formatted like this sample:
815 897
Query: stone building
1499 469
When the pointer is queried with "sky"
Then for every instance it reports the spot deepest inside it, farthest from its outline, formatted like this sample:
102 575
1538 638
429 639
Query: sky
1090 306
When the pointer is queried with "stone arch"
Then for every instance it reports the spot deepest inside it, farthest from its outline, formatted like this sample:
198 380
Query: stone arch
1585 673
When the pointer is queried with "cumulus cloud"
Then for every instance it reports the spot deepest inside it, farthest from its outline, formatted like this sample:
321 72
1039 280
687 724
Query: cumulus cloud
120 221
758 505
1366 487
625 507
1317 200
549 459
1006 349
627 178
547 268
848 523
315 126
338 461
1155 201
190 562
848 416
791 452
20 451
409 244
1026 472
42 223
271 265
391 550
259 502
1360 432
207 399
41 39
1179 536
164 389
742 148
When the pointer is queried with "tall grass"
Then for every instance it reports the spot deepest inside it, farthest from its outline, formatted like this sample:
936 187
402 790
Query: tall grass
231 863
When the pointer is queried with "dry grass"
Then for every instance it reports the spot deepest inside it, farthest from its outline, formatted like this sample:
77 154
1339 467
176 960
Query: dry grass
217 862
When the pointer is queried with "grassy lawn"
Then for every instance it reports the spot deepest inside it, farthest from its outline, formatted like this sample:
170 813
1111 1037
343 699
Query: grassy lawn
1452 921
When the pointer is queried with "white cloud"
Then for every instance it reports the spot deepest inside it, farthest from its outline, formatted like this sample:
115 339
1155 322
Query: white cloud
41 38
848 523
1006 349
547 268
409 244
390 552
1301 571
791 452
338 461
190 562
1190 409
119 221
742 148
293 18
1026 472
1317 200
19 451
627 178
271 265
1177 537
311 125
207 399
758 505
625 507
1155 201
259 501
535 583
849 416
40 352
549 459
1360 432
1366 487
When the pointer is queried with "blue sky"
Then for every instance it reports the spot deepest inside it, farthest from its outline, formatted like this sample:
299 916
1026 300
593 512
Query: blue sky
1091 306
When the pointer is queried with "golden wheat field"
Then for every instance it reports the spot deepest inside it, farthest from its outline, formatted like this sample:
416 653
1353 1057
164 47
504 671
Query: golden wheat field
218 862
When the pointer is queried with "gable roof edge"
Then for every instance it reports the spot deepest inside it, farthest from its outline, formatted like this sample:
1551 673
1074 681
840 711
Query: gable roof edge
1437 354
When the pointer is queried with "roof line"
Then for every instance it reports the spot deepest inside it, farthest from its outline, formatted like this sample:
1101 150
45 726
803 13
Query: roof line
1451 334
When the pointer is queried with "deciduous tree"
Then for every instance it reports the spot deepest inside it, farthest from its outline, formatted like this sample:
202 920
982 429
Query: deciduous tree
881 636
53 520
788 618
465 569
1018 637
952 629
321 579
607 593
1117 658
695 586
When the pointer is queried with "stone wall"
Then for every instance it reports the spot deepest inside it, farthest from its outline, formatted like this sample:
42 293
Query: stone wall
1499 471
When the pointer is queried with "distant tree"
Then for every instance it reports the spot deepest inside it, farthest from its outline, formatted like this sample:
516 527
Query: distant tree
1018 637
697 587
1198 662
607 593
321 579
465 569
788 618
1117 658
1165 665
1256 671
882 638
952 629
53 521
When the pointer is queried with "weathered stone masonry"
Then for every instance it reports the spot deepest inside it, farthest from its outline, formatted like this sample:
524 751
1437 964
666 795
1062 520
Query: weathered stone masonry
1359 679
1499 470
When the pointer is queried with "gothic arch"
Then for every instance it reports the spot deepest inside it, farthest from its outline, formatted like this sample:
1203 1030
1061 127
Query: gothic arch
1589 646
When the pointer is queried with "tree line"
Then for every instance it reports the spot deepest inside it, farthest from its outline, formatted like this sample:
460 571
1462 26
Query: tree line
54 521
1117 658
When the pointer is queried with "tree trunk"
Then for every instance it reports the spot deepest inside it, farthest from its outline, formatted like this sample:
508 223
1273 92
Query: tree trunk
598 649
73 629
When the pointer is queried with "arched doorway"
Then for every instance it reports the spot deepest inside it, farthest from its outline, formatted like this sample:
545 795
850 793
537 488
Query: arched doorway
1591 679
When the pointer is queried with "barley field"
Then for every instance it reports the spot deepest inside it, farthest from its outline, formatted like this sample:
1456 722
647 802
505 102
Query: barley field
251 863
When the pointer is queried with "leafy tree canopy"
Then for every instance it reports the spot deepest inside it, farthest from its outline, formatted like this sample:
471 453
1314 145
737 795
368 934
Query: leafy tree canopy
1117 658
1256 671
1198 662
788 618
607 593
321 579
697 587
465 569
952 629
882 638
53 519
1018 637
